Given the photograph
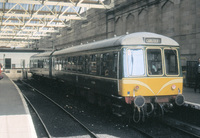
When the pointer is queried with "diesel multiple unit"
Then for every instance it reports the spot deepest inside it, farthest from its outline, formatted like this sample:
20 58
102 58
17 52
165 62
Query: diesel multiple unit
137 74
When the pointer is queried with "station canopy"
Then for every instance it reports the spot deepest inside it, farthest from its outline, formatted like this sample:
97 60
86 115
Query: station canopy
25 21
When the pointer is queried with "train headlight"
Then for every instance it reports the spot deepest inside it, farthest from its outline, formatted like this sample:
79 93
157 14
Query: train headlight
179 99
173 87
136 88
139 101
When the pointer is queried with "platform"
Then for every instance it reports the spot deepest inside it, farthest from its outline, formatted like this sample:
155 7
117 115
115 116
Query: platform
15 120
192 99
191 96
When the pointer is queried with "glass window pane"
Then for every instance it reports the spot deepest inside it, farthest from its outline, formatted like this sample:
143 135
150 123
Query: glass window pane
135 62
154 62
171 62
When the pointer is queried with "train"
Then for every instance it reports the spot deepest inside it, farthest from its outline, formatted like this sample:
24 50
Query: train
138 75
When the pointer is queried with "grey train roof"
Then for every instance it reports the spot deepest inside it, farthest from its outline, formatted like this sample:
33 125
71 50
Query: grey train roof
45 54
126 40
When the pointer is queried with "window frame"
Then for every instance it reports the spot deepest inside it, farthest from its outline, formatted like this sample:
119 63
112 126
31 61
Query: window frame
126 60
177 52
162 60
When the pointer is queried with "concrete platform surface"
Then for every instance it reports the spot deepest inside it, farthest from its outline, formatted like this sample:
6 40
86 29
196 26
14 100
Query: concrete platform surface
191 96
15 120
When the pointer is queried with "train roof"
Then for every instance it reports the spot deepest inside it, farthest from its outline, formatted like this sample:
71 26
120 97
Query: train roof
140 38
45 54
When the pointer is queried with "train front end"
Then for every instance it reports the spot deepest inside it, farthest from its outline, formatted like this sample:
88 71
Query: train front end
152 79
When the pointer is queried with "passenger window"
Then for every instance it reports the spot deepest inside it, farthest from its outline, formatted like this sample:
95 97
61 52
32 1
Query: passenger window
104 69
86 64
73 63
93 64
80 64
114 67
62 64
64 68
59 64
40 63
69 64
56 64
46 63
35 63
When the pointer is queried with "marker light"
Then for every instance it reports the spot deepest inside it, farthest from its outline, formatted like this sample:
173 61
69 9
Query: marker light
137 88
173 87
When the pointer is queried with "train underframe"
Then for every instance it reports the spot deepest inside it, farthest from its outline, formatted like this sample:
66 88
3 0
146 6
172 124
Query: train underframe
136 109
139 108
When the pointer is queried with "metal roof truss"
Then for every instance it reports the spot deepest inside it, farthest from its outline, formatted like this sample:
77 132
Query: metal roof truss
29 20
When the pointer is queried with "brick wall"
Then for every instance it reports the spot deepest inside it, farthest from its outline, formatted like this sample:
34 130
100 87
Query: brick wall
179 19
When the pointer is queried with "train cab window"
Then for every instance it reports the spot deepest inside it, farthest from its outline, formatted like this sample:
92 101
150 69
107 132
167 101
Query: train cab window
154 59
134 62
171 62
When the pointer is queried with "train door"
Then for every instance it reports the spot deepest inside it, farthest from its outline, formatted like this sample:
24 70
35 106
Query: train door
8 63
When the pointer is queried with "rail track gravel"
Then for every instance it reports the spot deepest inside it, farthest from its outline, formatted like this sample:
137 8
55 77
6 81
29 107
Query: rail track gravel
102 122
58 122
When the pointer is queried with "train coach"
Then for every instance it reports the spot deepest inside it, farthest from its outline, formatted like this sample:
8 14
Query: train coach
138 74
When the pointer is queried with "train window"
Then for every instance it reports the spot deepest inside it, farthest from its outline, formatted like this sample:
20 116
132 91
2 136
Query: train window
93 64
40 63
73 64
86 64
171 62
104 70
114 69
108 66
53 63
80 64
65 64
62 63
45 63
154 62
69 63
134 62
36 63
56 64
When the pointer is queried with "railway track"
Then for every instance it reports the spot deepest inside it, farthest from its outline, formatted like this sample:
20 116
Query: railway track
159 128
167 127
40 119
55 117
181 126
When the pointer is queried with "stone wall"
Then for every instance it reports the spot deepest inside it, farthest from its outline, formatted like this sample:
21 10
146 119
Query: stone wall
178 19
